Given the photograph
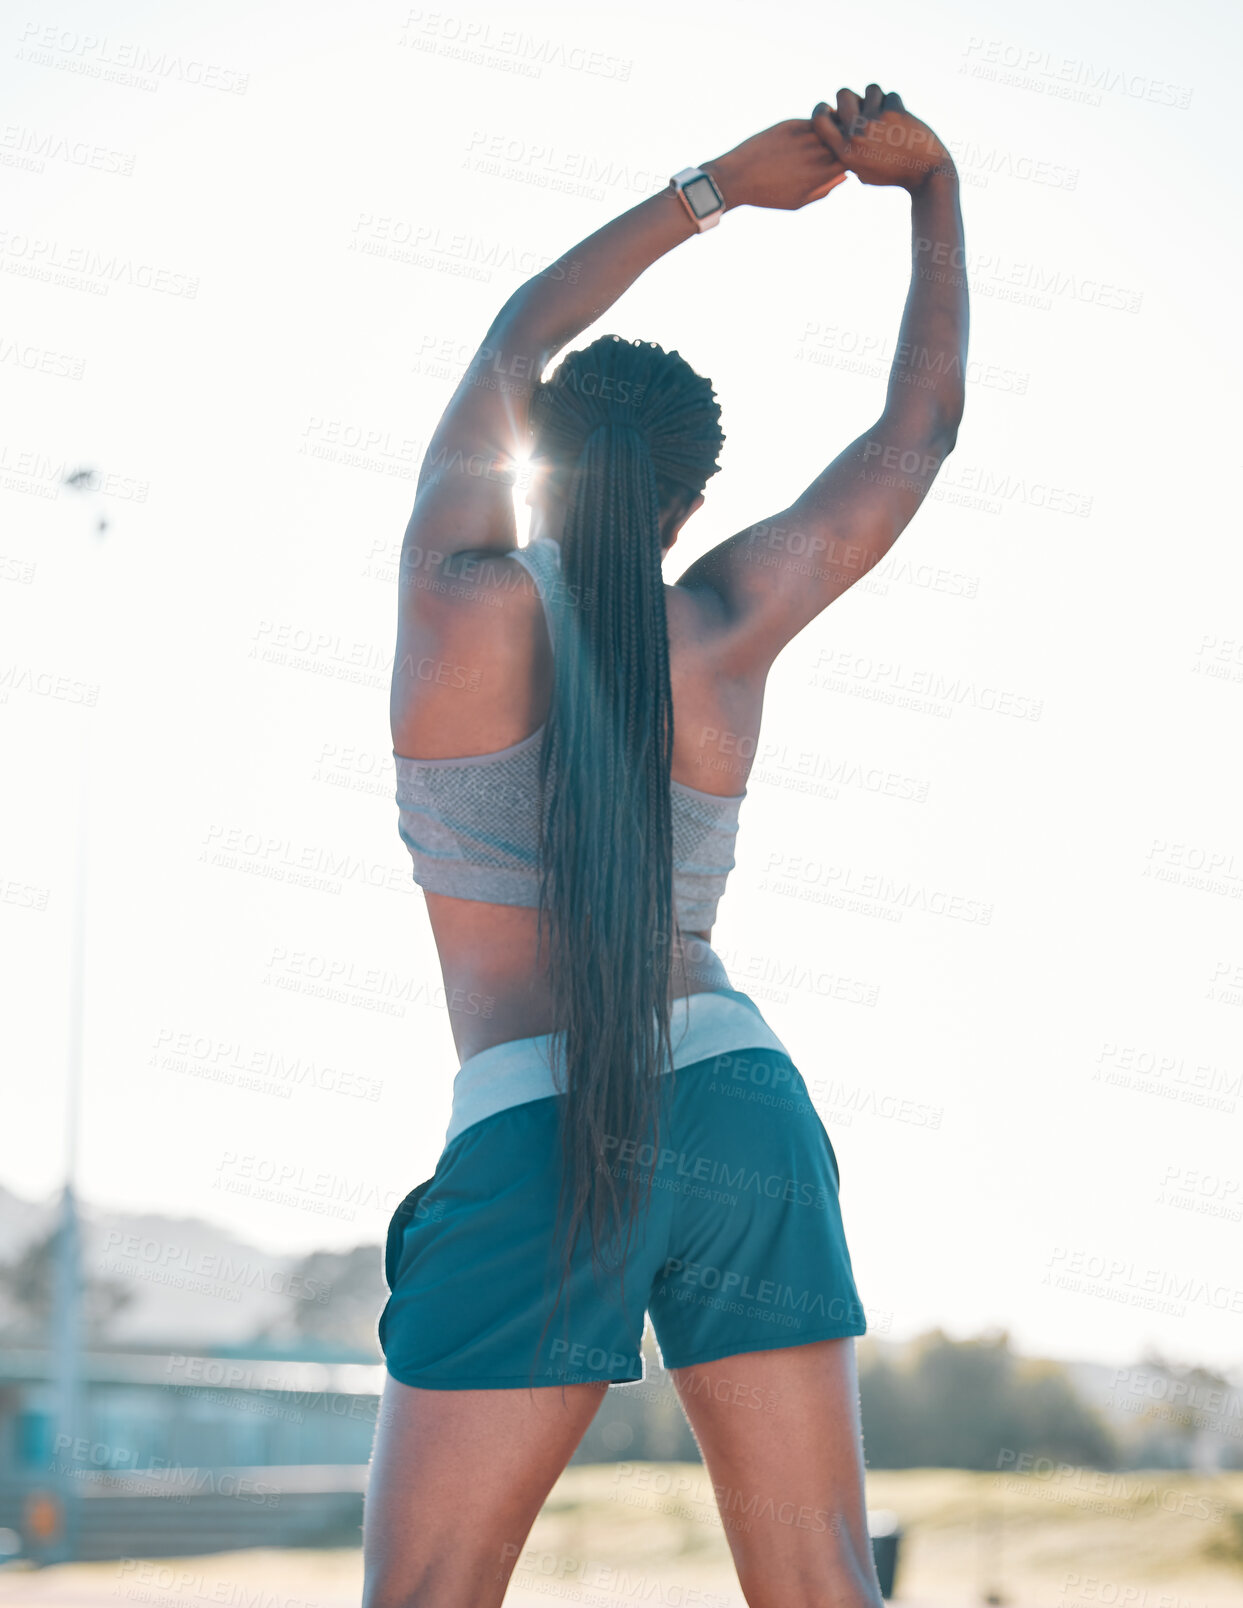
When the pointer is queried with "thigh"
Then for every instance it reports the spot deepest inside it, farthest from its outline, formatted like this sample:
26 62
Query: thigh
457 1480
781 1437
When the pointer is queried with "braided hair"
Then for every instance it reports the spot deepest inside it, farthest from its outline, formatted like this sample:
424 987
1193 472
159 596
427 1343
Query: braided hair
627 433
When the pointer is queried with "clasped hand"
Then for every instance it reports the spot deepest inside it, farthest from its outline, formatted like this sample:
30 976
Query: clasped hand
802 160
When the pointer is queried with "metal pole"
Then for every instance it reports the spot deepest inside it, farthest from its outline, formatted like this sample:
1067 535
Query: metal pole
67 1376
67 1311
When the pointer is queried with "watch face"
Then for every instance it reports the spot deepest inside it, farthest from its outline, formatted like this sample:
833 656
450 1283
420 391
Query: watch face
702 196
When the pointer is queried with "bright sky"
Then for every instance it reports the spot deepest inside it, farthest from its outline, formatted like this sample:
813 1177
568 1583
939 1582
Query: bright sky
990 870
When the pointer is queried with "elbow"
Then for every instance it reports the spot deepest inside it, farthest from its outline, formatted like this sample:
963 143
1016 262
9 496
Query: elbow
945 429
932 426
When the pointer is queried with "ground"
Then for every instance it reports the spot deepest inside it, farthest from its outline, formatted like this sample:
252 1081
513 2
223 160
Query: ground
616 1534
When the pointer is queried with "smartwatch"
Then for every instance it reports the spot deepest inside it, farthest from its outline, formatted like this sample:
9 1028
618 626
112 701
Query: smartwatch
700 196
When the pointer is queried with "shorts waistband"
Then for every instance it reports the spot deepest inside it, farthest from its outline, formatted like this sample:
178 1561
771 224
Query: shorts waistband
510 1074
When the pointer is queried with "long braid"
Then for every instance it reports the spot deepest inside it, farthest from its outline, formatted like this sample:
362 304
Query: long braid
625 429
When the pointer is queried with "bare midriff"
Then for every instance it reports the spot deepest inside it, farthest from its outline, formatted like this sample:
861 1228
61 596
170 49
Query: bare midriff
494 990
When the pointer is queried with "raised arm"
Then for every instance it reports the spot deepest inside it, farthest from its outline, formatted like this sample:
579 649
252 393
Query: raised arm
463 502
771 580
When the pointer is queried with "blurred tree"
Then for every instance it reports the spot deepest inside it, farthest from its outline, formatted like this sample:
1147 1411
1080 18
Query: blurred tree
943 1403
1193 1420
1054 1418
889 1415
336 1298
26 1290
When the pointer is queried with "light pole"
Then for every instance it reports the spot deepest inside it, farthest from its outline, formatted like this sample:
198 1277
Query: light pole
67 1307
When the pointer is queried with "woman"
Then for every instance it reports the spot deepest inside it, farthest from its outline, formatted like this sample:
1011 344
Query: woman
628 1134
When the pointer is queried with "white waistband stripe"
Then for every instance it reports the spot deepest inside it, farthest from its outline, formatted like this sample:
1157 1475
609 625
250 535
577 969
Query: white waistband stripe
510 1074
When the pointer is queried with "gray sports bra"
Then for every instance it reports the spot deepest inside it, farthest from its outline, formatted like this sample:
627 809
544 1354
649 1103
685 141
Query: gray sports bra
471 824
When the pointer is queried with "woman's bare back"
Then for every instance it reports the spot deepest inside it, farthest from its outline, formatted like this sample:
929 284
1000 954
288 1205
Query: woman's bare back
479 679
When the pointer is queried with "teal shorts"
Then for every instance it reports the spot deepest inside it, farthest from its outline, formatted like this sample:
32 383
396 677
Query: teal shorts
741 1247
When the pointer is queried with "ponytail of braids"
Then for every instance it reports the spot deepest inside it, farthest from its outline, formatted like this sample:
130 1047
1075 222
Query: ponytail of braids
626 428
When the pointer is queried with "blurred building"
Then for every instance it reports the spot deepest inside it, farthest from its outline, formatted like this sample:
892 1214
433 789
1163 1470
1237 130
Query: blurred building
191 1454
185 1453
